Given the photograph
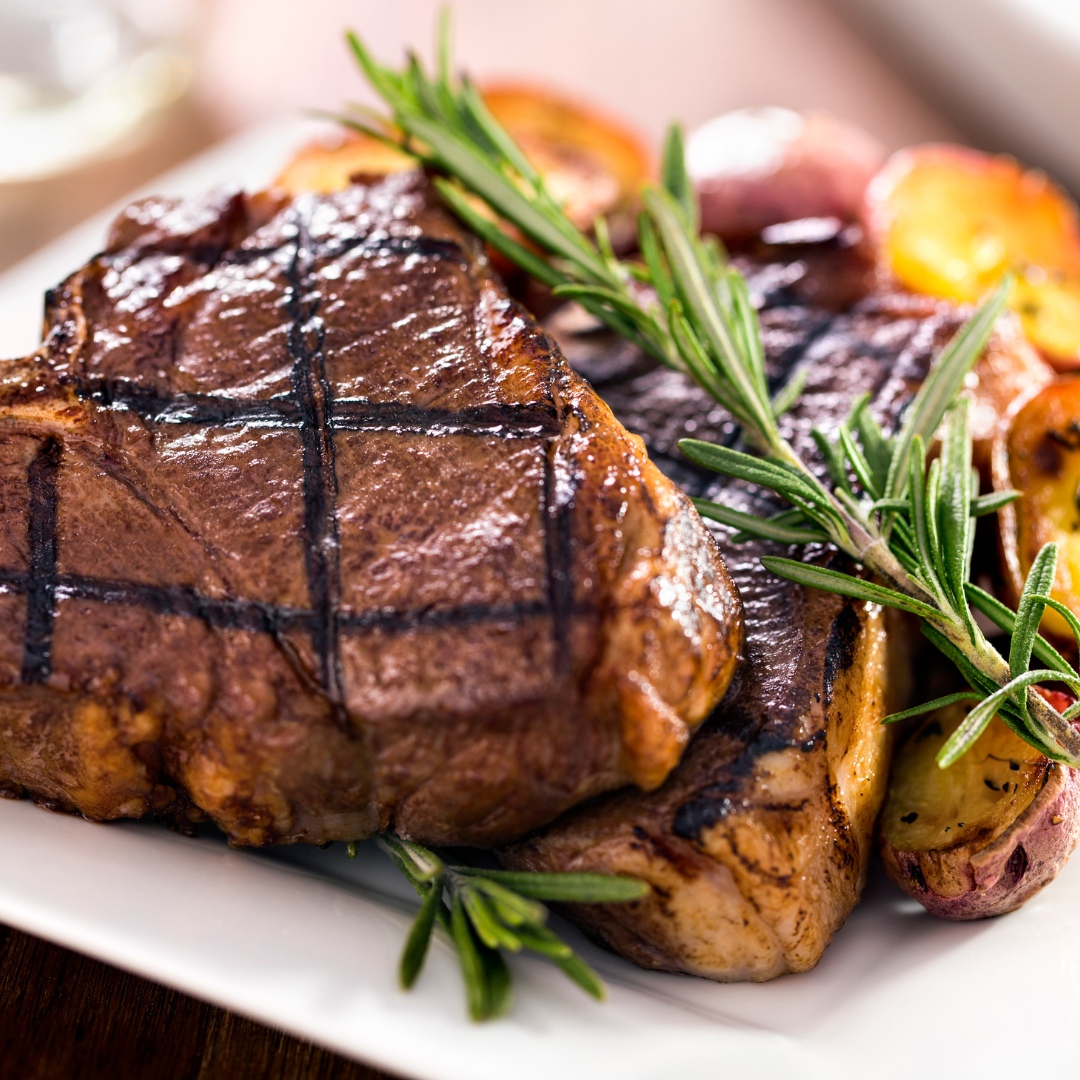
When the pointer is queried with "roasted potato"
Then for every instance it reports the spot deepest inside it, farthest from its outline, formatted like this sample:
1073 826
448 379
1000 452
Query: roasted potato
951 222
590 162
759 167
1038 454
329 164
984 835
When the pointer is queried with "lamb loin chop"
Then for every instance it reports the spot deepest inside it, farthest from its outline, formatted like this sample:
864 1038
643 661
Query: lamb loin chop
757 845
308 528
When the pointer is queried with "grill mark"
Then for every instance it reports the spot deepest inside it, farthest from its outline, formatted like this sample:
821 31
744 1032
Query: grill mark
497 420
791 358
373 246
184 601
842 647
560 584
234 614
41 581
713 802
376 247
314 398
198 409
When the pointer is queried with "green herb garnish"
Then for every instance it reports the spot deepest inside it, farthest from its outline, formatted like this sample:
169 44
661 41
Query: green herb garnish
487 913
906 518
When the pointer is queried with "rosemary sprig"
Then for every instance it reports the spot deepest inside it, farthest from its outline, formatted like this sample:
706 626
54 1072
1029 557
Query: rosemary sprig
487 913
902 515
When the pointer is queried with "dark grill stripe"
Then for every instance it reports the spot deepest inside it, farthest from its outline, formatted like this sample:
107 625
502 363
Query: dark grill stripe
505 421
382 246
373 246
183 601
502 421
791 358
314 399
251 615
41 583
205 409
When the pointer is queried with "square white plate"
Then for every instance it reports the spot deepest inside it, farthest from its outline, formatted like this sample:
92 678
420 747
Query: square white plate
308 941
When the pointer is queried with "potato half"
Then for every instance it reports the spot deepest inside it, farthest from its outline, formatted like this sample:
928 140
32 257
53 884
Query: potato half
950 221
329 163
981 837
759 167
590 162
1038 454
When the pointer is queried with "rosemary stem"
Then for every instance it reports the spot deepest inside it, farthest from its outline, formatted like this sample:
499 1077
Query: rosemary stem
900 511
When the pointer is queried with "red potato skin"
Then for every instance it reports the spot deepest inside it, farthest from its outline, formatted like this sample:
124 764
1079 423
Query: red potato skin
759 167
1009 871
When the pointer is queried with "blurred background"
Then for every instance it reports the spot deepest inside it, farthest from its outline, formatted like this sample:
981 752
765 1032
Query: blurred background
99 96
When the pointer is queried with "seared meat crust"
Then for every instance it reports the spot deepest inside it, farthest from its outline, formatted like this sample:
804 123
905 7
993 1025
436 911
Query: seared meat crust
757 845
307 527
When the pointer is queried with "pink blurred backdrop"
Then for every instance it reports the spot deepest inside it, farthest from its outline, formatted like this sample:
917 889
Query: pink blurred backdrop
648 61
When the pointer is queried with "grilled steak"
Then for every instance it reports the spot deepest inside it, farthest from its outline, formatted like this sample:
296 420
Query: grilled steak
307 527
757 845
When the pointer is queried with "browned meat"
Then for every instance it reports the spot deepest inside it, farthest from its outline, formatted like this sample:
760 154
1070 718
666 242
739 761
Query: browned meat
757 845
307 527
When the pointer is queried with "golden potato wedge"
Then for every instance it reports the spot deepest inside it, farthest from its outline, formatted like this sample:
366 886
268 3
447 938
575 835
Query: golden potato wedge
590 162
1038 454
983 836
329 164
951 221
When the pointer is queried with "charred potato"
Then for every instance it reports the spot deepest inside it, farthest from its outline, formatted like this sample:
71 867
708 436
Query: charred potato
983 836
759 167
1038 454
1008 370
951 222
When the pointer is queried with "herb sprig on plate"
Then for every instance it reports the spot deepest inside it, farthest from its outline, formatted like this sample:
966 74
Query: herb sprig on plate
487 913
902 514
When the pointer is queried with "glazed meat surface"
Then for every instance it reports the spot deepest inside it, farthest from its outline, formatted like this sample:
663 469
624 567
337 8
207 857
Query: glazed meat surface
308 528
757 845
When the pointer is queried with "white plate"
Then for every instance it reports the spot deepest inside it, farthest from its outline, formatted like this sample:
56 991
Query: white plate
307 941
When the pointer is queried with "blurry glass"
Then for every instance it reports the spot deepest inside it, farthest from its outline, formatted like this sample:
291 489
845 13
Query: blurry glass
77 76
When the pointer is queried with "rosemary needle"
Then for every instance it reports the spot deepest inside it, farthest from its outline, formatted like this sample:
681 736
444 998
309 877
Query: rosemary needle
486 913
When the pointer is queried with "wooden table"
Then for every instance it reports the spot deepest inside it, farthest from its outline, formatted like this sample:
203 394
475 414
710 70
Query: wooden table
66 1017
